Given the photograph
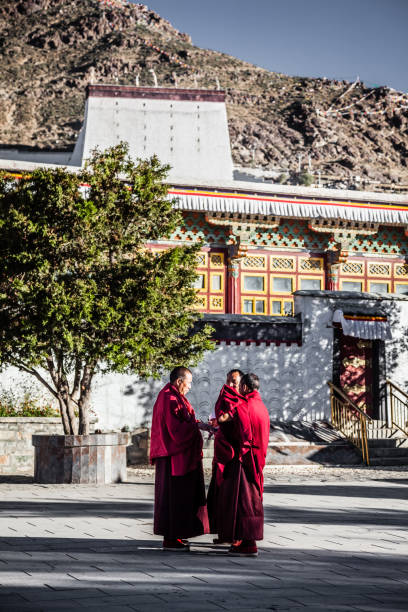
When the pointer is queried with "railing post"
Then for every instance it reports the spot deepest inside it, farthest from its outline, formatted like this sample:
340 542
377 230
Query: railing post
388 395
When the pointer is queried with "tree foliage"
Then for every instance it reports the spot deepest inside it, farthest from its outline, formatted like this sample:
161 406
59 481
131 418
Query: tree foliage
79 290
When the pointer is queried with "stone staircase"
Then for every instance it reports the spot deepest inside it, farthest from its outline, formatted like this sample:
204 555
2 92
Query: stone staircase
387 446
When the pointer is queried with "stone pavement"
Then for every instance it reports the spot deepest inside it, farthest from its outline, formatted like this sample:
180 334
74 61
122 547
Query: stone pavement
335 539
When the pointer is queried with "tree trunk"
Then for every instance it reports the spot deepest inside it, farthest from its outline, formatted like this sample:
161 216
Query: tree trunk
64 417
84 401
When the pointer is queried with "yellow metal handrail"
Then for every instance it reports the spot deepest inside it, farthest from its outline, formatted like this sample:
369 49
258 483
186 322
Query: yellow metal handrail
397 413
348 418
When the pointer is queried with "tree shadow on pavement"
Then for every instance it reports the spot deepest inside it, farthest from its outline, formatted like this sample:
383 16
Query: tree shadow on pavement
334 489
120 508
106 574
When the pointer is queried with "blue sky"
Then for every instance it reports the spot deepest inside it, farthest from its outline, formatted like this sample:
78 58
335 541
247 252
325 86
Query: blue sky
333 38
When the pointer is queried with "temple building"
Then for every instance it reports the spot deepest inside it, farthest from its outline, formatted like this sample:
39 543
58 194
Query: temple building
303 285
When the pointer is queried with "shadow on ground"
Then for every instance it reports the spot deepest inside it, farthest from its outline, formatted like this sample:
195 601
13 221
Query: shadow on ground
105 574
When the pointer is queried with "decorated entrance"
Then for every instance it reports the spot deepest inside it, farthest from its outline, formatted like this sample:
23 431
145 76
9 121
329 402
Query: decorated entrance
356 371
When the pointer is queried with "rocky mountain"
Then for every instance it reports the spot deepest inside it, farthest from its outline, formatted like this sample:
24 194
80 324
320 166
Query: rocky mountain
51 49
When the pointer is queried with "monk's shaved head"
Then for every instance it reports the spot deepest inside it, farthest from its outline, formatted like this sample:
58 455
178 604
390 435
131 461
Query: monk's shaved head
250 381
179 372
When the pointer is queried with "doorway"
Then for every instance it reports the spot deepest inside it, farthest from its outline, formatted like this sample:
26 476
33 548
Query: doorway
356 370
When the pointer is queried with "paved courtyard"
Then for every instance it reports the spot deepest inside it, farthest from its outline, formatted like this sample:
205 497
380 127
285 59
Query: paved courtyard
335 539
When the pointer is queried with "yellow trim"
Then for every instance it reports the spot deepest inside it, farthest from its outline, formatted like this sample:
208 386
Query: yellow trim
204 274
216 297
245 274
283 270
347 263
205 264
379 263
311 277
352 280
221 265
253 256
292 277
378 282
398 282
281 301
201 303
320 259
253 300
403 265
221 275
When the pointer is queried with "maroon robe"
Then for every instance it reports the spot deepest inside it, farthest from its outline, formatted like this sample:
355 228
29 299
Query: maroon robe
239 509
229 401
176 450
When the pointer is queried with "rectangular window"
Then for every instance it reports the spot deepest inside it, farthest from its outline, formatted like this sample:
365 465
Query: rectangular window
287 308
201 260
259 306
216 303
282 308
351 286
254 283
216 282
276 307
199 283
310 283
310 264
379 287
379 269
354 268
216 260
282 263
254 261
281 284
248 306
201 302
401 288
254 306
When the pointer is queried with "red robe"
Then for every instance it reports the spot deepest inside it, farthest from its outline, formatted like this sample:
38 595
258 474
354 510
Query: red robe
229 401
239 509
176 450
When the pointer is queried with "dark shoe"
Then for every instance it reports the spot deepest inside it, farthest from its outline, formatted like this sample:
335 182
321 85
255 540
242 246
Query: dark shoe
176 545
243 550
219 541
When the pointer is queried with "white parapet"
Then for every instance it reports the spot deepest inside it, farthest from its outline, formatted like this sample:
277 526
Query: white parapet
186 128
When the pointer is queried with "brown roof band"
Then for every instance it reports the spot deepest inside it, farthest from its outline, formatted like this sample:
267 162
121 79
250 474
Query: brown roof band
155 93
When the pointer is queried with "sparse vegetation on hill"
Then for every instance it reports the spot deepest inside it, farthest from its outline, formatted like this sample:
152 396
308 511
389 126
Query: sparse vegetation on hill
51 49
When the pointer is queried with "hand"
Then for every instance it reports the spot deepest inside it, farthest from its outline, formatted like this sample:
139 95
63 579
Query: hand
224 418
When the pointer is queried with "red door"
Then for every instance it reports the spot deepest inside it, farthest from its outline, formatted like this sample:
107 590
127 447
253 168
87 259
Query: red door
356 371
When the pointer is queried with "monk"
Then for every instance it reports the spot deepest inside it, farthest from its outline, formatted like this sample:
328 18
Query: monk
227 402
176 451
239 512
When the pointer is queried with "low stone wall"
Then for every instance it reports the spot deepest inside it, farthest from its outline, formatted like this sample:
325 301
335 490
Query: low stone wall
16 450
293 451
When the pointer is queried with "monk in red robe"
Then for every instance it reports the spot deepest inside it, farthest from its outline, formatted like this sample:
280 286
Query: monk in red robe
227 402
239 508
176 450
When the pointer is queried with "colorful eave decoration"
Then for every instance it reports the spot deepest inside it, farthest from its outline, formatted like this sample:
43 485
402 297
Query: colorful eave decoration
268 198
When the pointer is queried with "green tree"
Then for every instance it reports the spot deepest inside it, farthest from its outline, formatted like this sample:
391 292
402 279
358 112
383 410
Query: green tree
79 291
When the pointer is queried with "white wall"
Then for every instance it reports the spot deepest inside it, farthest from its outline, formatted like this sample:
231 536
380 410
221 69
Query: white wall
293 378
190 136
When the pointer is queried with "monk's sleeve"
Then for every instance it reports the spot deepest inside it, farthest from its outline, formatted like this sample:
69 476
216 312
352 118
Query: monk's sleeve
181 425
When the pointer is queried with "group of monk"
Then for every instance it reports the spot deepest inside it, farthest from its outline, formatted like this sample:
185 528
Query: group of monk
233 509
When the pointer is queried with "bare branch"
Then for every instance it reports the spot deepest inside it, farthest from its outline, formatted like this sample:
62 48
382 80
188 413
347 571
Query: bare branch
22 366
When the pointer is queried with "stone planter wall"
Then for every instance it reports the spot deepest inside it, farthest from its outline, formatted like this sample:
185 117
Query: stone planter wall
138 451
16 450
92 459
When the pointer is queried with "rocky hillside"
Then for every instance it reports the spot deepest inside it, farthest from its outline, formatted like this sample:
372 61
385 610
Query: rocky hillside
51 49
